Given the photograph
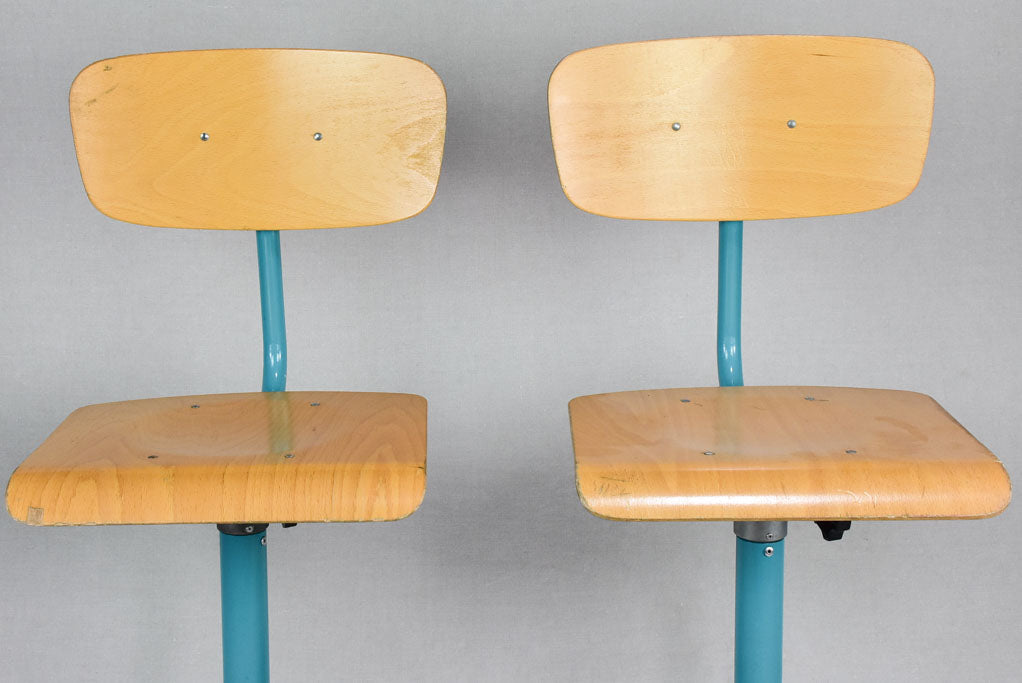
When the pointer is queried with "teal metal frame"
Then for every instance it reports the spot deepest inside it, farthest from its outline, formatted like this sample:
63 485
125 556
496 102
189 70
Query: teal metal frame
729 304
759 610
243 589
759 563
243 599
271 297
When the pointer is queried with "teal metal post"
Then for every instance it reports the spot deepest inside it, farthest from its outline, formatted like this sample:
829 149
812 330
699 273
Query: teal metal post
759 566
759 610
729 304
271 295
246 640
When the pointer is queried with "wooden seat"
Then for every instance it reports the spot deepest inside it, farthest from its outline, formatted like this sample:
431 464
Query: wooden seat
229 458
779 453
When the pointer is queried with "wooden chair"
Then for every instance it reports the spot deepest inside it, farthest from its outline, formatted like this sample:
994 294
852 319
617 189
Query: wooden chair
261 140
757 127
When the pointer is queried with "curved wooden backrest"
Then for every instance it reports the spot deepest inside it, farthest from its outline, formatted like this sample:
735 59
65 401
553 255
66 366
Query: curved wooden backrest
740 127
259 139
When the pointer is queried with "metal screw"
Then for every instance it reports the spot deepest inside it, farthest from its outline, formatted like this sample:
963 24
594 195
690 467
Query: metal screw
289 455
851 452
685 400
708 453
792 123
675 126
810 398
769 536
317 136
195 405
768 551
314 404
263 540
249 529
204 136
153 457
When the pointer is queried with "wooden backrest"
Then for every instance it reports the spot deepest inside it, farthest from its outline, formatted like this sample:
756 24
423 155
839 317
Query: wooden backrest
259 139
740 127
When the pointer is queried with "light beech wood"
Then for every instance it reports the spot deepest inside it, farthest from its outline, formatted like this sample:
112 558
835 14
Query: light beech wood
137 122
257 457
861 108
771 453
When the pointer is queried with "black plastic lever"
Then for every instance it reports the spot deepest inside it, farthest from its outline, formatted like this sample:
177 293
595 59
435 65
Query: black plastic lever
833 531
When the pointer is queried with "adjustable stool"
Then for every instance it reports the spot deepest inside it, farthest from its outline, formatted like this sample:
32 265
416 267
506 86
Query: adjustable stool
740 128
261 140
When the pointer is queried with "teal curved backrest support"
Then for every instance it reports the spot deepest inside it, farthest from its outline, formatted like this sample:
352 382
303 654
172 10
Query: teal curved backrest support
729 305
271 290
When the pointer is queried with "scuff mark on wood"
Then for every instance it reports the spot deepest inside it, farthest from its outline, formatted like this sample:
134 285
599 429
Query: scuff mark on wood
34 516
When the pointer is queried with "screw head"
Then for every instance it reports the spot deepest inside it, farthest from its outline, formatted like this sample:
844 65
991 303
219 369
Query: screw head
153 457
769 537
317 136
685 400
708 453
263 540
289 455
195 405
314 404
810 398
768 551
792 123
249 529
851 452
204 136
675 126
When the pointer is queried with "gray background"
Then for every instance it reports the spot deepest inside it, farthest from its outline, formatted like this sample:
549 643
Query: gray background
500 303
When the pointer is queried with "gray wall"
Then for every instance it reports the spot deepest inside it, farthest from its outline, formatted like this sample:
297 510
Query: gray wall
500 303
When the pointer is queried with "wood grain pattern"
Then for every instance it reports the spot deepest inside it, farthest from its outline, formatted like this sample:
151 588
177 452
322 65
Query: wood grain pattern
862 109
768 453
356 457
137 122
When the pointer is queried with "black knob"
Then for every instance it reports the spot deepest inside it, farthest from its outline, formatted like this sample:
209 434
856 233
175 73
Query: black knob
833 531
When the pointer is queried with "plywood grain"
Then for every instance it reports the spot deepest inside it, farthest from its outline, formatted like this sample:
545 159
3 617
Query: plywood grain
139 123
779 453
697 128
225 458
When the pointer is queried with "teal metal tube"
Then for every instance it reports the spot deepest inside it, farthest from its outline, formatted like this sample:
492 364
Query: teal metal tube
729 305
759 611
246 640
759 567
271 290
243 590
